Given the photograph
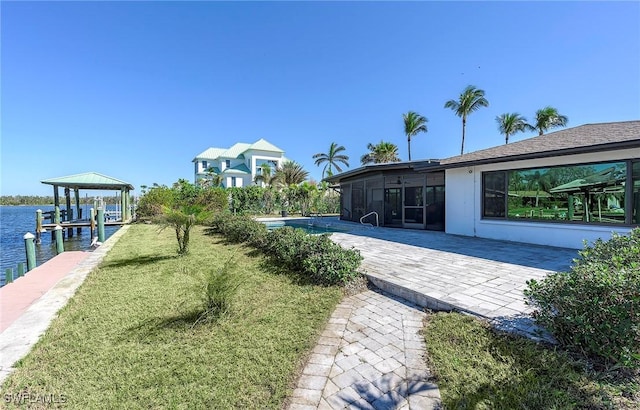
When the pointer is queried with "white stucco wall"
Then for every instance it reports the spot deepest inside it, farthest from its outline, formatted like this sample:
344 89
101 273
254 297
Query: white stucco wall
464 195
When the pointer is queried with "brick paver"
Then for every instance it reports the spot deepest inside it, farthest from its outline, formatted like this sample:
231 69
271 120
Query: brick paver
370 356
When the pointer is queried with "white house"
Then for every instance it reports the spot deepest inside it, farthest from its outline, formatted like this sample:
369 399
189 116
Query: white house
557 189
239 164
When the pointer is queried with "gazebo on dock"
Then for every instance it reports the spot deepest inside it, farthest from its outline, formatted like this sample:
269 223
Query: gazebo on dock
94 181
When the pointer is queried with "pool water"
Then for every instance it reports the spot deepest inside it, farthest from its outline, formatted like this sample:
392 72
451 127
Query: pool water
310 229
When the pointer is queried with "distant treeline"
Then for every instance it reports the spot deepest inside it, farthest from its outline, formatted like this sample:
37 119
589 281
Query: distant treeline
48 200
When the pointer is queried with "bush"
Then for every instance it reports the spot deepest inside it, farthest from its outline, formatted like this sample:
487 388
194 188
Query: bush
240 228
314 255
152 202
595 307
221 287
329 262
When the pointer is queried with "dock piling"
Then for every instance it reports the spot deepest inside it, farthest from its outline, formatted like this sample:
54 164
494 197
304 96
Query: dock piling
8 275
100 224
30 249
20 269
92 219
59 242
39 226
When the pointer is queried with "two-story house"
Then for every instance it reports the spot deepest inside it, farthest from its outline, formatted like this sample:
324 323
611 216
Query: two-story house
238 165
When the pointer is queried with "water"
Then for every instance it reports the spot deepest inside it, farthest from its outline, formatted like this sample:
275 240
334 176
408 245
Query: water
311 229
15 221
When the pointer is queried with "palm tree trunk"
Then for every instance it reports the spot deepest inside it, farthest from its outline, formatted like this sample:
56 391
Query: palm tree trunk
409 145
464 124
506 138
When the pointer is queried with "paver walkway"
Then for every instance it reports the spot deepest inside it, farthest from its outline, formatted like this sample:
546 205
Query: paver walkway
370 356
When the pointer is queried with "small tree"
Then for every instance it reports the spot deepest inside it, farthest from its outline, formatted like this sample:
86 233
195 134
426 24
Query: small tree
182 219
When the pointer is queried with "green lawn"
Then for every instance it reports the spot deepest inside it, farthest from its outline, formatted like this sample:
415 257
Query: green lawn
127 340
478 369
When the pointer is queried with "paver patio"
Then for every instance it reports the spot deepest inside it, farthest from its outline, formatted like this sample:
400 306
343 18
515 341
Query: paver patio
448 272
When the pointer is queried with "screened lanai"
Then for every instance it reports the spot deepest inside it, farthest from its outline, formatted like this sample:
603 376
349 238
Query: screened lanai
406 195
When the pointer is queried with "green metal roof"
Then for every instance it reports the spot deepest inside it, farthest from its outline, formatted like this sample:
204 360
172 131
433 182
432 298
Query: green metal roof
264 145
210 153
238 169
89 180
236 150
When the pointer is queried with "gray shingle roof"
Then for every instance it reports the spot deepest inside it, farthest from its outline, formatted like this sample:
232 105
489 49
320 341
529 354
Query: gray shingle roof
584 138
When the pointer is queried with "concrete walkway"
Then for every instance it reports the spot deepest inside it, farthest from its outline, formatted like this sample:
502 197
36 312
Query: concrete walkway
370 356
448 272
17 296
45 293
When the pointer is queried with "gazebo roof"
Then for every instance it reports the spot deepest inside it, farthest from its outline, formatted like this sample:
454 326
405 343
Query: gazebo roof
89 180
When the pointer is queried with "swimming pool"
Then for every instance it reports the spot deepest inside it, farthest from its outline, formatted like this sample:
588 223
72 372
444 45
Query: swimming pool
314 229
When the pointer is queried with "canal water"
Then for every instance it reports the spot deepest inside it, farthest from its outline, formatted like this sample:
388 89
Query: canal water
15 221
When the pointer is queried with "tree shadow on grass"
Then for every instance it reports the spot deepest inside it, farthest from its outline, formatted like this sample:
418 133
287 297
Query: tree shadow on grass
138 261
162 328
271 266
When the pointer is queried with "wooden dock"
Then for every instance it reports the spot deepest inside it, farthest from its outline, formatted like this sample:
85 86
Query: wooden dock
81 224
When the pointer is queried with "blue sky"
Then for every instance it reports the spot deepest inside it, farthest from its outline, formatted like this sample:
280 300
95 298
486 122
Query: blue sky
135 90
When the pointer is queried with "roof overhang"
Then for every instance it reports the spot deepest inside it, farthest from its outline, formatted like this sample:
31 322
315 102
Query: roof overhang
90 180
546 154
416 166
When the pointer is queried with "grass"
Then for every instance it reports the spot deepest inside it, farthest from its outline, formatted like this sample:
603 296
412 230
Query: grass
127 339
479 369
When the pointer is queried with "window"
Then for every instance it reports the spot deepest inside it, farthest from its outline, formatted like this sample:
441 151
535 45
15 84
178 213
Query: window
233 181
493 194
205 165
227 163
583 193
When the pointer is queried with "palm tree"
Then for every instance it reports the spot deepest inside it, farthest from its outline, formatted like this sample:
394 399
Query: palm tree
332 158
380 153
413 124
265 175
510 123
470 100
539 182
547 118
290 172
212 179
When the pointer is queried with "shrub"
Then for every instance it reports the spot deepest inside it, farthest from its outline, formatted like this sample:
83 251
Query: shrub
220 288
329 262
213 199
285 245
240 228
182 219
153 201
314 255
595 307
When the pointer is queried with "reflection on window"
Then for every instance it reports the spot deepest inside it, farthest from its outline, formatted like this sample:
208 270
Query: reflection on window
587 193
493 184
593 193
